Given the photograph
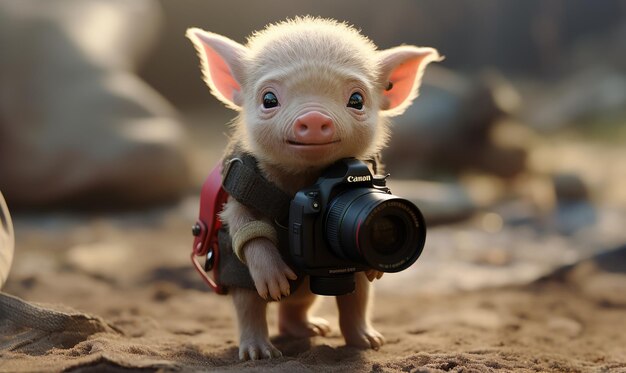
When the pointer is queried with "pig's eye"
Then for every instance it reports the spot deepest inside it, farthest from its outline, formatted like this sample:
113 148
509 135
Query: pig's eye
270 100
356 101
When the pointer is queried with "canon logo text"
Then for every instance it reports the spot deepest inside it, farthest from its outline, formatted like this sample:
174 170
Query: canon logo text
356 179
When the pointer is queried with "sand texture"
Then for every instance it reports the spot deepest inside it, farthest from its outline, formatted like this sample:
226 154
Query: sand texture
125 298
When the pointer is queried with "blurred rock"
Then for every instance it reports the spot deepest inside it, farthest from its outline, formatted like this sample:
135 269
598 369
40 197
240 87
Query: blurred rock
503 162
570 188
449 126
573 211
78 127
601 277
440 203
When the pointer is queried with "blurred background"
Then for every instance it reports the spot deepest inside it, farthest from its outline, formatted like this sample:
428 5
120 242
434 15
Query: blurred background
514 150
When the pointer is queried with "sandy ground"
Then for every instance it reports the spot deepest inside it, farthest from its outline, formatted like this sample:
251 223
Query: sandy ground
131 270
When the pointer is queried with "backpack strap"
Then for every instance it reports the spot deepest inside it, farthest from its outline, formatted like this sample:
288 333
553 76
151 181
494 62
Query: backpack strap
244 182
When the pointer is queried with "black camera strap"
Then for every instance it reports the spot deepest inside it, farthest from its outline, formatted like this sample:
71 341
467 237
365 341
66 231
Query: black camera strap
243 181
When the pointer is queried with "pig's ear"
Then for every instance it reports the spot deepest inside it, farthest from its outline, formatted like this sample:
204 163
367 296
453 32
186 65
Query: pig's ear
222 65
401 70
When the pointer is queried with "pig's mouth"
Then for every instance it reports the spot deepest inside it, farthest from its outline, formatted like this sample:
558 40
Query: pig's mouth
313 153
311 144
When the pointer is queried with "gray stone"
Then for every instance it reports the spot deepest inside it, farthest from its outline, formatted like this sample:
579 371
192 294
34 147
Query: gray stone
78 126
448 128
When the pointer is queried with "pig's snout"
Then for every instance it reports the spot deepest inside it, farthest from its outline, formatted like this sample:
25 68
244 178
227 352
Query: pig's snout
314 128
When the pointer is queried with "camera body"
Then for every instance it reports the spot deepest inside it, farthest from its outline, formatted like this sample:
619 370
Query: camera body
349 221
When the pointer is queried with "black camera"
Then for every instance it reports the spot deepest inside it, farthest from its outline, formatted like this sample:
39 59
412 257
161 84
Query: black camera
349 221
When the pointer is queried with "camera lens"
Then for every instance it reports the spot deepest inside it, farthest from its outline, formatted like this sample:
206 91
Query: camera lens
387 233
379 230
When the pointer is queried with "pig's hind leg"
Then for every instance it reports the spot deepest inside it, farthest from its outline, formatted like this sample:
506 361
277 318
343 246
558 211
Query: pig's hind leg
354 320
254 340
293 314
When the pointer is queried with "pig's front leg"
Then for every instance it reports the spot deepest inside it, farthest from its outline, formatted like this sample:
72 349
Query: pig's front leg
254 342
267 268
270 275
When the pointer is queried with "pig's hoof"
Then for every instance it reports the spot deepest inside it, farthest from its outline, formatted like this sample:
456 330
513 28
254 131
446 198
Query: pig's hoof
363 337
255 349
304 328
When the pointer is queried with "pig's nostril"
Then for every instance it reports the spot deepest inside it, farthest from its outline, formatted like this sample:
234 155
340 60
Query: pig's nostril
302 128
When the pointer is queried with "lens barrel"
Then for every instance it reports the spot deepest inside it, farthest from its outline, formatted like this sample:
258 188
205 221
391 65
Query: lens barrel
380 230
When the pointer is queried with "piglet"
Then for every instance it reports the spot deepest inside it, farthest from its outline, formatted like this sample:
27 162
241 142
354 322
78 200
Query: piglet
309 92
